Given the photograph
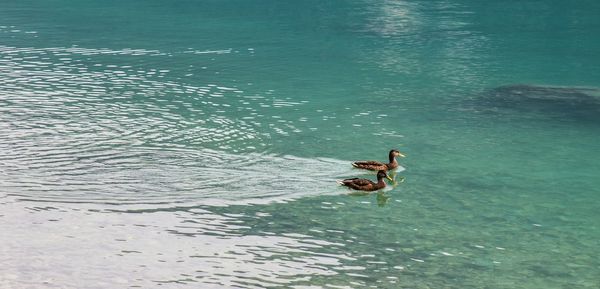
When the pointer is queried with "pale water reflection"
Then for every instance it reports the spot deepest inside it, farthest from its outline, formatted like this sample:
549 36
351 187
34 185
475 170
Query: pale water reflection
81 245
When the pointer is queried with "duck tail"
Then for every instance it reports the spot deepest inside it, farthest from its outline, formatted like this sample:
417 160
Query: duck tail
355 165
340 182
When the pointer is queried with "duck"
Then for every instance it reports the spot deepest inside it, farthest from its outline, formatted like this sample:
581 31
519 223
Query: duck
365 184
379 166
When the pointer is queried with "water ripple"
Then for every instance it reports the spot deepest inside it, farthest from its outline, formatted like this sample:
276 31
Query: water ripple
76 95
79 130
156 175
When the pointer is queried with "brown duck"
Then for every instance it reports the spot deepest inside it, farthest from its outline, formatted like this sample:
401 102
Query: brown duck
379 166
366 185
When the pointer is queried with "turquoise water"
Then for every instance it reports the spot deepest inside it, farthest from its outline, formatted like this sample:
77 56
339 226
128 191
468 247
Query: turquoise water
196 144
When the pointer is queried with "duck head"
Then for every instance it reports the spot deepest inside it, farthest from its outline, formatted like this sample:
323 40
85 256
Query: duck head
396 153
382 174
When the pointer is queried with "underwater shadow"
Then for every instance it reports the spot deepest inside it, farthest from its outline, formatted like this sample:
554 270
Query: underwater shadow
567 103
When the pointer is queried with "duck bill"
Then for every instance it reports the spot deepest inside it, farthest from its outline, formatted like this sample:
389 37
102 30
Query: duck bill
401 155
388 177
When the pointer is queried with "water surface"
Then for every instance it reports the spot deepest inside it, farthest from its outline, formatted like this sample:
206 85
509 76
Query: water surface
196 144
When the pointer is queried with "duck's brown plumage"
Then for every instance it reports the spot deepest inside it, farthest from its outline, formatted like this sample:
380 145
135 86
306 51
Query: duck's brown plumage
379 166
364 184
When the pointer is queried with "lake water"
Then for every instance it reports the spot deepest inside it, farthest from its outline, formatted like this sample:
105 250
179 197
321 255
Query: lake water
196 144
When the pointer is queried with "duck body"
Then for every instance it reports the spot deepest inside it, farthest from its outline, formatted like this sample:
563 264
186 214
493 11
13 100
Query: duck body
379 166
365 184
375 165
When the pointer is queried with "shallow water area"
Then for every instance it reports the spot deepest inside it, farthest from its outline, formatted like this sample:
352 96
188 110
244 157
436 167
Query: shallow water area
196 144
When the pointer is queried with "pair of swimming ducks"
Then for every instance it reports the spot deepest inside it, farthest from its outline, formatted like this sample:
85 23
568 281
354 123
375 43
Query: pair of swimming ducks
382 168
